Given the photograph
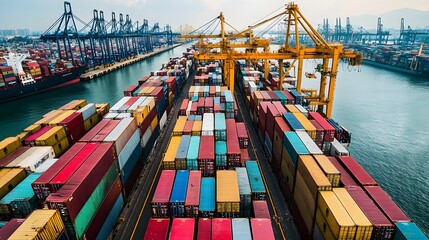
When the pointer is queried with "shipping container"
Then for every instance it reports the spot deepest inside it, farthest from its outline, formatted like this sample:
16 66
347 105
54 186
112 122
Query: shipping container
382 227
257 185
357 171
261 229
207 128
204 229
329 131
10 227
245 192
406 231
9 179
41 224
233 146
221 157
309 143
220 127
332 218
91 122
193 194
227 193
32 158
162 194
207 197
179 126
51 137
128 149
294 147
221 229
196 128
241 229
21 201
74 105
386 204
260 209
157 229
170 155
182 228
30 141
363 225
57 120
346 179
243 138
330 171
121 134
337 149
109 223
178 194
187 130
206 156
182 152
192 154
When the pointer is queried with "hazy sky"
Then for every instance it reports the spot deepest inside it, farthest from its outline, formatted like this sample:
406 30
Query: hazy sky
38 15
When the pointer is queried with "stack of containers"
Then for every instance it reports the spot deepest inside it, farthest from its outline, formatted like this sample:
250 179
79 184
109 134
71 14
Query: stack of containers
256 184
206 156
31 159
178 194
182 152
227 194
192 200
207 206
161 197
260 209
229 104
245 192
192 156
10 227
233 146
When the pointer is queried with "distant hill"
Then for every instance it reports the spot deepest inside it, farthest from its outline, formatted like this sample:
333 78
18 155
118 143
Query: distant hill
413 18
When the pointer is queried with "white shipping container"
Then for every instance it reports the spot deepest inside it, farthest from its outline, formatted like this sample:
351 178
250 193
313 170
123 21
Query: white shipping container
208 124
110 115
217 89
146 137
46 165
163 120
197 90
302 109
122 133
129 148
252 86
115 108
149 101
309 143
337 149
241 229
123 115
33 158
133 107
188 109
87 111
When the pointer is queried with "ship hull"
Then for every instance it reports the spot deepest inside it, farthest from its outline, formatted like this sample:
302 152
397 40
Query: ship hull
396 69
49 83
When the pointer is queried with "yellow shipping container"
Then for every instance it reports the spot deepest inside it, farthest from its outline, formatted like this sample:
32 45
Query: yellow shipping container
304 201
23 136
91 122
313 176
41 224
196 128
102 109
308 126
140 114
61 146
74 105
33 128
48 117
56 121
9 178
154 123
291 108
51 137
170 154
142 91
180 125
286 179
191 92
227 194
334 217
9 145
150 102
363 225
331 172
258 98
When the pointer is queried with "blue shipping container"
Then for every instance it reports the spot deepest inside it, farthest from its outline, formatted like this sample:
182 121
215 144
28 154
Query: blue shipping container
408 231
255 179
282 97
110 222
294 146
127 170
207 197
129 148
178 194
182 152
293 122
220 151
192 157
241 229
220 127
299 98
245 192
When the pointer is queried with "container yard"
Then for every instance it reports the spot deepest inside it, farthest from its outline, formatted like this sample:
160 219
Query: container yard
203 148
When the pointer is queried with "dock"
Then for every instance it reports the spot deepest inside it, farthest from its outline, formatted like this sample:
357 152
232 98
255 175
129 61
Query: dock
91 74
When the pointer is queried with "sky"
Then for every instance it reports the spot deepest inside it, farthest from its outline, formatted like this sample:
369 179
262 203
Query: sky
39 15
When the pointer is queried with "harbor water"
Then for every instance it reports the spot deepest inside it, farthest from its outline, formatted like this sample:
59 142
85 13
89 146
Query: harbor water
385 111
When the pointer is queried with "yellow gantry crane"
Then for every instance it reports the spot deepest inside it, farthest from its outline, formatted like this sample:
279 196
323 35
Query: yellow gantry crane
329 53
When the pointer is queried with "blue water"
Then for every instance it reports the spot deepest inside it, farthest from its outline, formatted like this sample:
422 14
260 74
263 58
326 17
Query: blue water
386 112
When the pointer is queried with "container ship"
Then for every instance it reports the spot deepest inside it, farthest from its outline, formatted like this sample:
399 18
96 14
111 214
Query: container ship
20 77
413 60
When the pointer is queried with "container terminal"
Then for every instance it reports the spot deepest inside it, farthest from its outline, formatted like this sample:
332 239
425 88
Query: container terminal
208 147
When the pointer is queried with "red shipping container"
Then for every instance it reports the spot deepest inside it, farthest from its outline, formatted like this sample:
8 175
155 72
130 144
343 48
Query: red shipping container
183 107
260 209
232 145
99 137
204 229
243 138
30 140
158 94
63 176
273 96
357 171
290 98
192 200
103 211
263 108
194 108
147 121
383 228
143 79
41 184
261 229
235 108
72 122
280 108
346 179
386 204
129 91
8 159
94 131
221 229
265 96
131 101
161 197
206 156
187 130
183 229
10 227
200 107
77 134
270 120
212 91
329 131
208 105
244 157
157 229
